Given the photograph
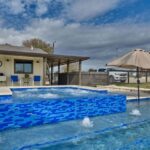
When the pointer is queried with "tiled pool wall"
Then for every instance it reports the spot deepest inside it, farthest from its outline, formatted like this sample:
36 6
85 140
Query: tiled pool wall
5 97
24 115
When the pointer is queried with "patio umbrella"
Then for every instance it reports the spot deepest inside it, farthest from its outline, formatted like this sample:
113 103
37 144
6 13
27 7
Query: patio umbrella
137 59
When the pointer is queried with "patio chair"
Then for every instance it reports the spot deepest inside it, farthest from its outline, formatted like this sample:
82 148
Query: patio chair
36 79
15 79
3 78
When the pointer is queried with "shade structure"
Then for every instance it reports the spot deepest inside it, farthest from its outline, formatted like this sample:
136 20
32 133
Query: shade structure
138 59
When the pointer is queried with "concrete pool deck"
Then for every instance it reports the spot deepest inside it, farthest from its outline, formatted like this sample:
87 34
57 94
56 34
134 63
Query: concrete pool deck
122 88
5 91
131 92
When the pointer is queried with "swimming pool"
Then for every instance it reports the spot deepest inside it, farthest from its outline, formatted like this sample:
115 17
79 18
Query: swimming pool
120 131
36 106
113 131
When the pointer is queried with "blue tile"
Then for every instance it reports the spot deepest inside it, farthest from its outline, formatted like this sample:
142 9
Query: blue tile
53 111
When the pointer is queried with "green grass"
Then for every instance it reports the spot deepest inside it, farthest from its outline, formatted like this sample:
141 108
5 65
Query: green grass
142 85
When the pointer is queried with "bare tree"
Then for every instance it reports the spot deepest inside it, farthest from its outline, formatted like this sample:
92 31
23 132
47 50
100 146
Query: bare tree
38 43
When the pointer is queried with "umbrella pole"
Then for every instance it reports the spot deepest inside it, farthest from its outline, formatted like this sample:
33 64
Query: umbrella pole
138 85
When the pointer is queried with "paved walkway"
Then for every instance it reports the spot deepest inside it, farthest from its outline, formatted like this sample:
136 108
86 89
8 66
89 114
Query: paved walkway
123 88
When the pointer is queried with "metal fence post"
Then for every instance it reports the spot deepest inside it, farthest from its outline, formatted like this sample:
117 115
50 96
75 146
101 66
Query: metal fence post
128 77
146 76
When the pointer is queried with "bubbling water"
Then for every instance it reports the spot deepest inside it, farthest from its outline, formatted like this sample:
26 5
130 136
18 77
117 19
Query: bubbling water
135 112
32 90
86 122
48 95
77 92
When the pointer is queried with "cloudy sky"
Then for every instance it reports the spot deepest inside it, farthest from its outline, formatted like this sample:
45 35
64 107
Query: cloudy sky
100 29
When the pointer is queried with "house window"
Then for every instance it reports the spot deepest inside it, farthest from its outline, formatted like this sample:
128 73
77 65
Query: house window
23 66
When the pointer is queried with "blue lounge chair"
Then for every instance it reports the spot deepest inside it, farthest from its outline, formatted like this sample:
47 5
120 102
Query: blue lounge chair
36 78
15 79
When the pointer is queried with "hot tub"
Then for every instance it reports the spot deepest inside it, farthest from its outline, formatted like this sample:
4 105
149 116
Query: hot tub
36 106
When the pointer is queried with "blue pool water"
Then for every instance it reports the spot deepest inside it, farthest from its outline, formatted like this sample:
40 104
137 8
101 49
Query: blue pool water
120 131
131 138
25 95
26 117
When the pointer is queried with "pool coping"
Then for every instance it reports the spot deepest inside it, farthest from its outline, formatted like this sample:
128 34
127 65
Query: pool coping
5 91
133 99
122 88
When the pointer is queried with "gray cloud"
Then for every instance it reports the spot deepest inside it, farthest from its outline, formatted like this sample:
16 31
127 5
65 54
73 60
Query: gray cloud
84 9
19 7
102 43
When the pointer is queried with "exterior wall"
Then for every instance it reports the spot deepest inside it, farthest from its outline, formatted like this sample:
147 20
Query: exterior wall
8 66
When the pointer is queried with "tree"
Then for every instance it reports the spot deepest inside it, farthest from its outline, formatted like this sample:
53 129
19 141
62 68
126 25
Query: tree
38 43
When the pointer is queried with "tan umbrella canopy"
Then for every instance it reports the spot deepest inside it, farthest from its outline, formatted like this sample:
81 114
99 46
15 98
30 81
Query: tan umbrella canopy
138 59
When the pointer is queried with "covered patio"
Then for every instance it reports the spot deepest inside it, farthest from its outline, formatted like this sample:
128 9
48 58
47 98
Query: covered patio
59 60
43 63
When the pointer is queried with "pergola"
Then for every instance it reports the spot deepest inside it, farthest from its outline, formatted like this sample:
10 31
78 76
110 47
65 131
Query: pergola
58 60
